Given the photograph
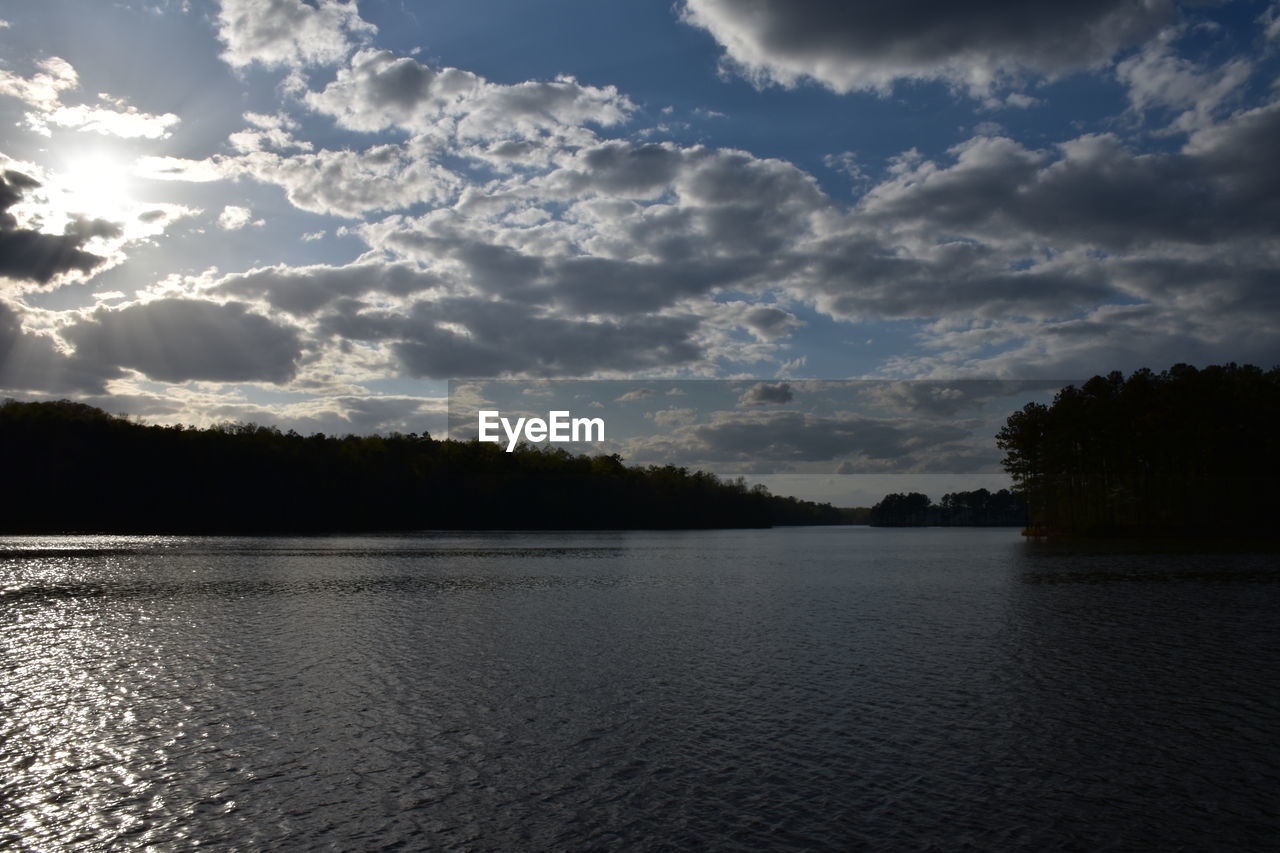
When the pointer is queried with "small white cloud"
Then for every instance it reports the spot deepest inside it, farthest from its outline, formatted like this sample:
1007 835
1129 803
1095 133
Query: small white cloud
234 217
673 417
178 169
793 365
1270 21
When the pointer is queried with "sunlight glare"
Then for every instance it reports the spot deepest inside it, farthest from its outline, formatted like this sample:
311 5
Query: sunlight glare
95 185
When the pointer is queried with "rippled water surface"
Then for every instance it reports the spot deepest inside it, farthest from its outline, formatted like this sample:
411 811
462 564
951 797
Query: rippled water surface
795 689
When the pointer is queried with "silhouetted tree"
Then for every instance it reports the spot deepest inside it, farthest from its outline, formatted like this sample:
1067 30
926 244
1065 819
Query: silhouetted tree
979 508
1182 452
72 467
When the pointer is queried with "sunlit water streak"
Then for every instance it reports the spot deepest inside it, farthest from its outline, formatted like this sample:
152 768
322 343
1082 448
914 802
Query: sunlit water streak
841 688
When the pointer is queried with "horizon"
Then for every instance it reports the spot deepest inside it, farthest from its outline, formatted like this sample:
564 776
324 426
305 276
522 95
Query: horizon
318 215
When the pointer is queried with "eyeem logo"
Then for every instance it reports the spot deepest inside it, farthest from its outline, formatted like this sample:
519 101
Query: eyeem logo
559 426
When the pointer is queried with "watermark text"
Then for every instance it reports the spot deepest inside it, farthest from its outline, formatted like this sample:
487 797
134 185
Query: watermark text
559 426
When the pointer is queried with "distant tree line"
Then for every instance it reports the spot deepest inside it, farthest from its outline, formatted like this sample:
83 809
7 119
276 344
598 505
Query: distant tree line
72 467
1184 452
979 508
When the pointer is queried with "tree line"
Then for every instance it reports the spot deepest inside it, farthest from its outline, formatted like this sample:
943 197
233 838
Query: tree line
1183 452
75 468
978 508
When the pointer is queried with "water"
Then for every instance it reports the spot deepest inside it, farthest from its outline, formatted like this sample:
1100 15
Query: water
820 688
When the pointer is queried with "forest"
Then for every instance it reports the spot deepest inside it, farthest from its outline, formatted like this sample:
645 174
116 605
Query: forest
74 468
978 508
1182 453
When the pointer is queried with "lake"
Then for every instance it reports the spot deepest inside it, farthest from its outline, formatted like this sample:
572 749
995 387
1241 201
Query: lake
791 689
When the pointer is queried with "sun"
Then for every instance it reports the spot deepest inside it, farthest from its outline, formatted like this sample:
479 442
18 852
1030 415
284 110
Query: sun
94 184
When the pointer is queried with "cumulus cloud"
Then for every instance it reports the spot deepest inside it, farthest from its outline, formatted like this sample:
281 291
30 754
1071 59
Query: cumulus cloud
1109 337
378 91
234 217
850 46
304 290
289 33
792 438
28 255
993 234
31 362
125 121
575 254
269 132
1005 231
343 414
768 323
499 338
721 218
1157 77
767 394
947 399
111 116
177 339
476 337
350 183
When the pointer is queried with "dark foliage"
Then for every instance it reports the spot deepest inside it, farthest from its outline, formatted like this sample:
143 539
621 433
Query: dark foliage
979 508
1185 452
72 467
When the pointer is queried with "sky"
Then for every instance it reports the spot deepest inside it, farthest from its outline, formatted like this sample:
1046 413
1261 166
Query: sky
316 214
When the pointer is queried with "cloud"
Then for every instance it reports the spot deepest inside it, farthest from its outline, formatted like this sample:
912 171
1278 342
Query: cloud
289 33
789 438
343 414
541 241
769 323
378 91
304 290
274 132
946 399
617 234
872 45
500 338
766 394
28 255
635 394
1270 21
717 219
234 217
126 122
115 117
32 362
1006 231
43 89
1157 77
176 339
350 183
1108 337
181 169
672 416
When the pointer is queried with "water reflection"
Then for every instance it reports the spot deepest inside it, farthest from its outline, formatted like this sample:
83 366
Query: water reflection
751 689
1135 685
